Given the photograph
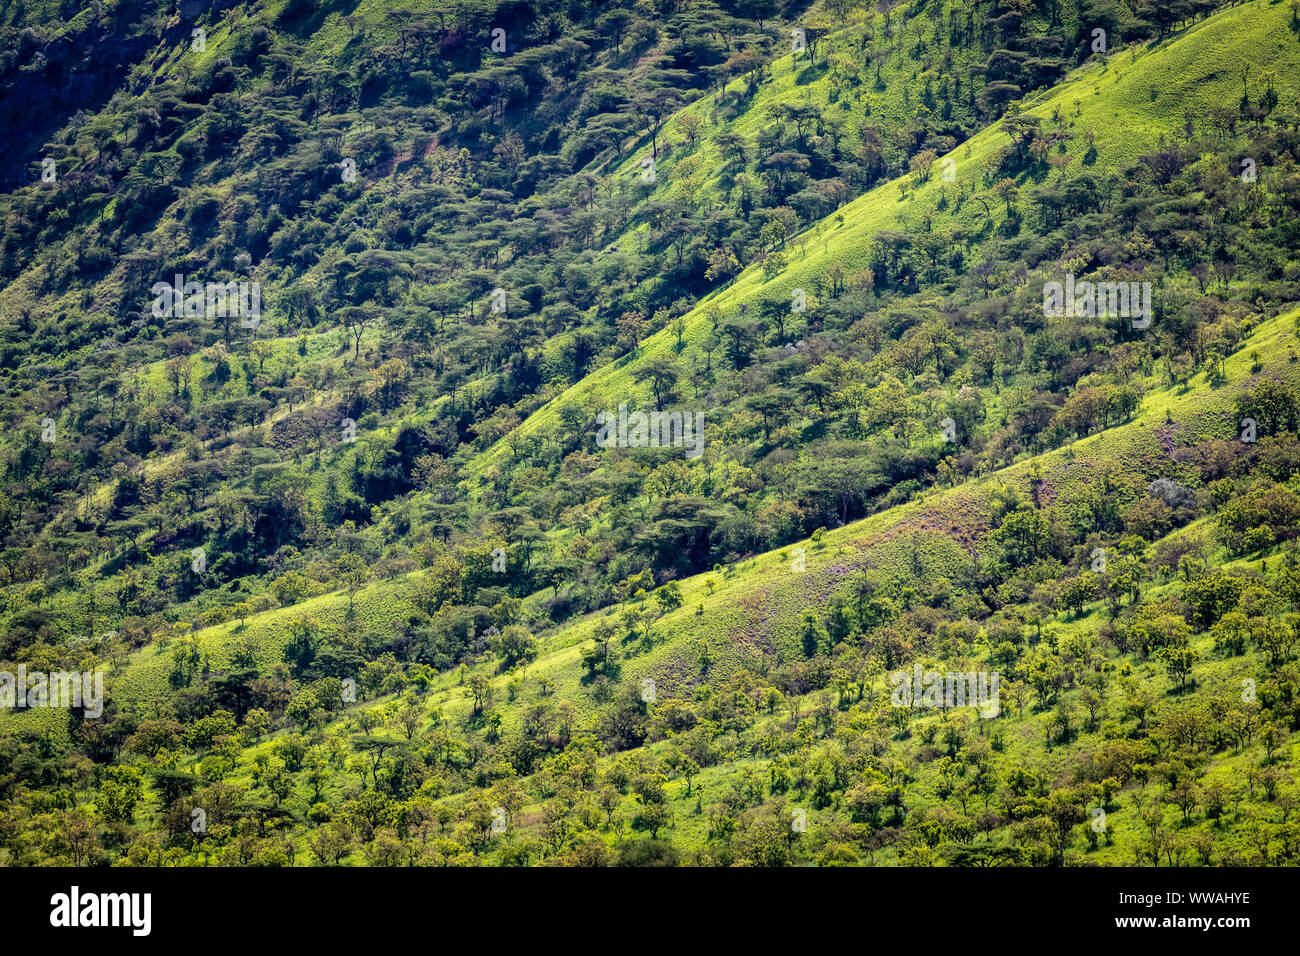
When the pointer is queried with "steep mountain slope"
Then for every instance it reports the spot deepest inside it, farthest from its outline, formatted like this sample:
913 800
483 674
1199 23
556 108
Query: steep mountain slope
523 647
229 160
746 621
1119 111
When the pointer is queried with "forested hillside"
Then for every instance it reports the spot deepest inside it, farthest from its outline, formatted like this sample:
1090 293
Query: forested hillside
386 573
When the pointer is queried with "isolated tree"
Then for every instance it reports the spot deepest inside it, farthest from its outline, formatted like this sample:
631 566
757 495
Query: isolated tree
513 645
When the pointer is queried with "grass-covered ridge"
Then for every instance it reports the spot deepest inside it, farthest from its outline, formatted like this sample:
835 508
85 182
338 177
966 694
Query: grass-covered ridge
1121 109
754 611
472 635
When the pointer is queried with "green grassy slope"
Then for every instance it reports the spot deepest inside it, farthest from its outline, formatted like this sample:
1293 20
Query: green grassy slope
747 622
1125 104
758 603
737 616
1248 33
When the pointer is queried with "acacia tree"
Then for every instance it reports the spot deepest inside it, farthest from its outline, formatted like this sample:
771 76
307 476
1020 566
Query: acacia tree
356 320
1065 811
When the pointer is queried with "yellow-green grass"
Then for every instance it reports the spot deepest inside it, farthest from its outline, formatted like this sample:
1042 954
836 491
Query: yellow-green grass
757 604
1114 102
793 80
759 601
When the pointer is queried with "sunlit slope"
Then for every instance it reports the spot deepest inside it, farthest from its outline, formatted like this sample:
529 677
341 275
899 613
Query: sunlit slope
839 80
731 616
1126 104
758 604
